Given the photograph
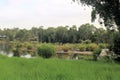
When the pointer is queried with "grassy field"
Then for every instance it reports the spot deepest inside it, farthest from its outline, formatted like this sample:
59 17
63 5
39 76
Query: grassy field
55 69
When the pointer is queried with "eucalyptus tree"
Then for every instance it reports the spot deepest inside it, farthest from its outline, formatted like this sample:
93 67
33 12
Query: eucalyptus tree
41 34
108 10
9 33
62 34
50 35
22 35
86 32
73 34
101 36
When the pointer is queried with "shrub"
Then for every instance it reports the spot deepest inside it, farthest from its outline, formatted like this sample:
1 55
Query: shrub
16 52
91 47
96 53
115 46
58 48
66 47
82 47
116 43
103 45
18 49
85 41
46 50
28 45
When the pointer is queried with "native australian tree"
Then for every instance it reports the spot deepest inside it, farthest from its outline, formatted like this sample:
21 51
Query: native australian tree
108 10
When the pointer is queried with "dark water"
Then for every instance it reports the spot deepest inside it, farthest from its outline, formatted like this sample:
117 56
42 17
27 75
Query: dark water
5 49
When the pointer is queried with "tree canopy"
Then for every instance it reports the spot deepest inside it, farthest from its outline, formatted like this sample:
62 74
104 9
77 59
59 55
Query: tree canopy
108 10
61 34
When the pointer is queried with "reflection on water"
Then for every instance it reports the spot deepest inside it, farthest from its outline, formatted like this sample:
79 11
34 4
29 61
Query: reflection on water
26 56
10 54
5 49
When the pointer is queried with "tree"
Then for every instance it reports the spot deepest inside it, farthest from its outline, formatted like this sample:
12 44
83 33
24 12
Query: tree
22 35
108 10
34 31
73 34
86 31
102 36
34 34
41 34
9 33
116 41
62 34
50 34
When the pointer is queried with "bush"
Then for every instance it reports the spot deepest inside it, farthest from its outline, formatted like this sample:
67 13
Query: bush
16 52
66 47
82 47
103 45
116 43
46 50
28 45
96 53
86 47
91 47
58 48
18 49
85 41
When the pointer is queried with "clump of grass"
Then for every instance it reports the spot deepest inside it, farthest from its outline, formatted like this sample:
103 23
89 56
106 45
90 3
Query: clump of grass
46 50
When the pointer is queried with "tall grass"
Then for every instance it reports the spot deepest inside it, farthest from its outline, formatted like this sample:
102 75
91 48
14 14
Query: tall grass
55 69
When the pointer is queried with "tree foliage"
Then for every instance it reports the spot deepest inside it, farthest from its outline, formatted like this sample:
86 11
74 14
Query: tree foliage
108 10
86 31
116 41
61 34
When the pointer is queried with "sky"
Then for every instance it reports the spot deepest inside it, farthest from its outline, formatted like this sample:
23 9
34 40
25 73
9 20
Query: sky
47 13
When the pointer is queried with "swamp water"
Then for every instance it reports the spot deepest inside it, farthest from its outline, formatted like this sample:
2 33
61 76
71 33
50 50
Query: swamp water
5 49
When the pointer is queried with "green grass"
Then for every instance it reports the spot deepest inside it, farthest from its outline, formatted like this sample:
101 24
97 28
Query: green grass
55 69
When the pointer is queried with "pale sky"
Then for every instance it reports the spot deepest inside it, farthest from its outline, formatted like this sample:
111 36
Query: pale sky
47 13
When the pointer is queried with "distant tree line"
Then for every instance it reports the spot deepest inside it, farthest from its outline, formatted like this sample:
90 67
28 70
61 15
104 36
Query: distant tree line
61 34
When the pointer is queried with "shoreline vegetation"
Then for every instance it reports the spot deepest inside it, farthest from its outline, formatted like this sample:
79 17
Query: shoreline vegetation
33 48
